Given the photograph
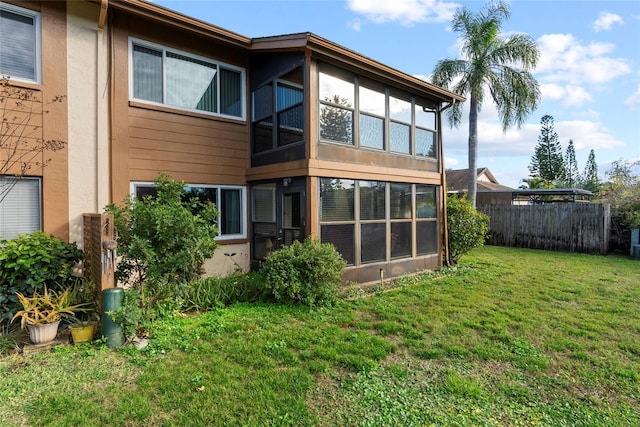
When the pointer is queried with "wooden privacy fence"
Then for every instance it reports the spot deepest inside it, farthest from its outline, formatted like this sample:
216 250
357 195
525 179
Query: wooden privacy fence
572 227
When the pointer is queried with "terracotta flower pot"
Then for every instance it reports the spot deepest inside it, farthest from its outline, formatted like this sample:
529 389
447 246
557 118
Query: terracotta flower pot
43 333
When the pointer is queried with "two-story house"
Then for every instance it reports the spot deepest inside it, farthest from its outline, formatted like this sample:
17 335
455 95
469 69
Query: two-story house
291 136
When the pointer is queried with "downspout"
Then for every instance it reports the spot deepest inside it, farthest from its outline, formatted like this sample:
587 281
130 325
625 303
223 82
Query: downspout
443 175
102 19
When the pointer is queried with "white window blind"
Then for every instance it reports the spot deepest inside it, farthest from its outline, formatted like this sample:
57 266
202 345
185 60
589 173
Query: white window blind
19 43
183 80
20 211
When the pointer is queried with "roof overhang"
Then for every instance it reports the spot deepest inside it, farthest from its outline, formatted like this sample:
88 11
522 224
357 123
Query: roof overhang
306 42
328 50
162 15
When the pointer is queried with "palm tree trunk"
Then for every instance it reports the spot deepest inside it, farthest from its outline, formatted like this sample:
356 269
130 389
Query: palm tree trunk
473 149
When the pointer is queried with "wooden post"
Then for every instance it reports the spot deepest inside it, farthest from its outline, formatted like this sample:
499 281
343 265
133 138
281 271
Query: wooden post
99 253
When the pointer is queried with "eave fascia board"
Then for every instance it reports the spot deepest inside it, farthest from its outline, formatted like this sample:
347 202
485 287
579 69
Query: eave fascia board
332 50
323 48
174 19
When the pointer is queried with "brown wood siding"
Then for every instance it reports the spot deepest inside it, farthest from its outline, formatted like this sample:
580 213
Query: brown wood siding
55 185
323 168
346 154
119 112
25 131
148 139
53 124
197 150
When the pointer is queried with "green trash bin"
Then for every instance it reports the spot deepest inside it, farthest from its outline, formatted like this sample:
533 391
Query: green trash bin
111 301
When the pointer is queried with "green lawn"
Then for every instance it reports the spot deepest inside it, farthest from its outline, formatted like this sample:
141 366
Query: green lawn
513 337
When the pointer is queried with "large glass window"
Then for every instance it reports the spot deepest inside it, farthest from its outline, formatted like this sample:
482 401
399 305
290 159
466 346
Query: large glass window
400 115
289 115
262 118
379 117
229 200
425 130
21 208
372 114
179 79
342 236
337 214
374 221
336 199
400 201
337 100
374 242
373 230
20 51
426 224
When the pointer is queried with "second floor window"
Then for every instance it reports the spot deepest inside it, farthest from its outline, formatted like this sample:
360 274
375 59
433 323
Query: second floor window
19 43
357 111
182 80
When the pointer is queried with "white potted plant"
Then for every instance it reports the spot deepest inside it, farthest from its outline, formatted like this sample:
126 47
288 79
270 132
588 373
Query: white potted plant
41 313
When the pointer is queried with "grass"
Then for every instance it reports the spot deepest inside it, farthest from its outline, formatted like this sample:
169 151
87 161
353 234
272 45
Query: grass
512 337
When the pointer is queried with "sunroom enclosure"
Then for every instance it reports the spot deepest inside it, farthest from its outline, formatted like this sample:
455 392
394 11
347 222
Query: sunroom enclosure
348 158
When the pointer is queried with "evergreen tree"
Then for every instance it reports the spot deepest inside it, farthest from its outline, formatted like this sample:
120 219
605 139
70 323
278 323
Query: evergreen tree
547 161
590 179
571 173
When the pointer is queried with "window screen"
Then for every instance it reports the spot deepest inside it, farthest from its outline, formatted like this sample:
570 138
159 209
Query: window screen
342 237
372 200
21 209
19 43
336 199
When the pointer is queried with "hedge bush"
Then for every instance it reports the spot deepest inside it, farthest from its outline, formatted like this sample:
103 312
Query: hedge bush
467 227
308 273
31 261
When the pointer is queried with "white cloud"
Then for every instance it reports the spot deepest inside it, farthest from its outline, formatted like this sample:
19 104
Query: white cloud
587 134
606 20
407 12
633 101
450 162
565 59
355 24
569 96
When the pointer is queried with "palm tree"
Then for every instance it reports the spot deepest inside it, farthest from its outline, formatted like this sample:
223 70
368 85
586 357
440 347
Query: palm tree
500 64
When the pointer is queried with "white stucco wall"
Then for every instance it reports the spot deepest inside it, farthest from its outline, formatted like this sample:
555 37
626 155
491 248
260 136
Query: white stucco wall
221 264
87 101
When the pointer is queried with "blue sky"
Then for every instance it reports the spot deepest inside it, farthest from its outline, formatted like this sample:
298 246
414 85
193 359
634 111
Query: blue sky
589 69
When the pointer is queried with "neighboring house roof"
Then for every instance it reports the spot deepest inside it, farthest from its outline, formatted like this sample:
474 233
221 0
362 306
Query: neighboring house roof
288 42
552 192
457 180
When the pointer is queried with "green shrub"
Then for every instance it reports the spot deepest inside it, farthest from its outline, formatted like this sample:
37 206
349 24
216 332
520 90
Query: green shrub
217 292
166 238
132 315
308 273
468 228
31 261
